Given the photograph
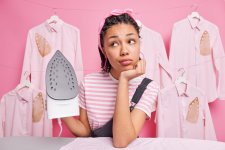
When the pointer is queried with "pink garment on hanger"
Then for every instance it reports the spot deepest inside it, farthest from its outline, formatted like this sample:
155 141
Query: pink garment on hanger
42 43
16 114
173 118
44 37
196 46
153 49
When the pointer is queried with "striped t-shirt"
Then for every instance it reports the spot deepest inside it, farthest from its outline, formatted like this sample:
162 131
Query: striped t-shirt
98 95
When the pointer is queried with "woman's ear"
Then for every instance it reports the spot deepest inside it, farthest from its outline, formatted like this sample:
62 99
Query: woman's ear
103 51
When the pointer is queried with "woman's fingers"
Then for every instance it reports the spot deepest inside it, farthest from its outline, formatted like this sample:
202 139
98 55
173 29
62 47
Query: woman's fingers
140 67
144 66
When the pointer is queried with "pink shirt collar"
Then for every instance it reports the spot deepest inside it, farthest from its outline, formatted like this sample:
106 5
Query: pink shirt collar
25 93
195 23
54 27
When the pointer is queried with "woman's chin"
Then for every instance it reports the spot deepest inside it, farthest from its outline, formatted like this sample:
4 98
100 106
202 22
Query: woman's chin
125 68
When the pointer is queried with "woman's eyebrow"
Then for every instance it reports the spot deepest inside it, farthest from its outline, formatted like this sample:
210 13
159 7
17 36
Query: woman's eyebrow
113 36
117 36
130 34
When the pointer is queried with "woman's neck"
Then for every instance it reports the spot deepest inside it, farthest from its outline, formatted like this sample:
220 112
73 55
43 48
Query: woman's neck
115 73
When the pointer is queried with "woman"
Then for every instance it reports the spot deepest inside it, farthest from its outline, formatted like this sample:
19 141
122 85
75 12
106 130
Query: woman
107 94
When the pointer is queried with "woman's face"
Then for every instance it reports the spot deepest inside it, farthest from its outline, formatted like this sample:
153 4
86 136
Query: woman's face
122 47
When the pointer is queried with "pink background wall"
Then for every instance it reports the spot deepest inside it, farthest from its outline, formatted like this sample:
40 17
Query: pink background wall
18 16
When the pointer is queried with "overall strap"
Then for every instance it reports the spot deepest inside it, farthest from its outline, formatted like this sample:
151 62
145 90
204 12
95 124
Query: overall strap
139 91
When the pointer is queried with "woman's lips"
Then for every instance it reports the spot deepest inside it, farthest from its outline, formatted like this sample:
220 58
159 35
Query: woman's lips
125 62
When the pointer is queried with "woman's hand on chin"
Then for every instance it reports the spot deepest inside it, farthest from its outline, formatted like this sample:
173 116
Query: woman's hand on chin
139 69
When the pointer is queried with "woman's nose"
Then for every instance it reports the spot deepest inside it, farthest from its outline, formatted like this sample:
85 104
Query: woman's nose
124 51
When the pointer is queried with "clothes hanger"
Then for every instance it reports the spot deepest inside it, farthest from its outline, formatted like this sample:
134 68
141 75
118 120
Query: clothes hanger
181 79
194 13
54 18
24 82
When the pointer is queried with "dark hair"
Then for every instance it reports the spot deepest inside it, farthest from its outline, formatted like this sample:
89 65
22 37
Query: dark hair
109 22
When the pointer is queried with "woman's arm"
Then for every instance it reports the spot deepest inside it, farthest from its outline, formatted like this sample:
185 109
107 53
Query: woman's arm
126 125
79 127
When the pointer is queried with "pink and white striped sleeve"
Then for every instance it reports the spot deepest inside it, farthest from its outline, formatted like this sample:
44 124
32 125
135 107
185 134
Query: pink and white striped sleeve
147 103
82 102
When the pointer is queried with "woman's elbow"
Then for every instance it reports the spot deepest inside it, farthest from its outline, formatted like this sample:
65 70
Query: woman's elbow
120 143
83 133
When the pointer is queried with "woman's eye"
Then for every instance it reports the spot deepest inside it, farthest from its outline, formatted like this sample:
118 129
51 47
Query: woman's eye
114 44
131 42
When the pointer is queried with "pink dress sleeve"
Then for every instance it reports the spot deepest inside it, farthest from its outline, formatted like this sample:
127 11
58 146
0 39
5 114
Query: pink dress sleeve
219 61
209 127
26 70
2 116
78 61
165 71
